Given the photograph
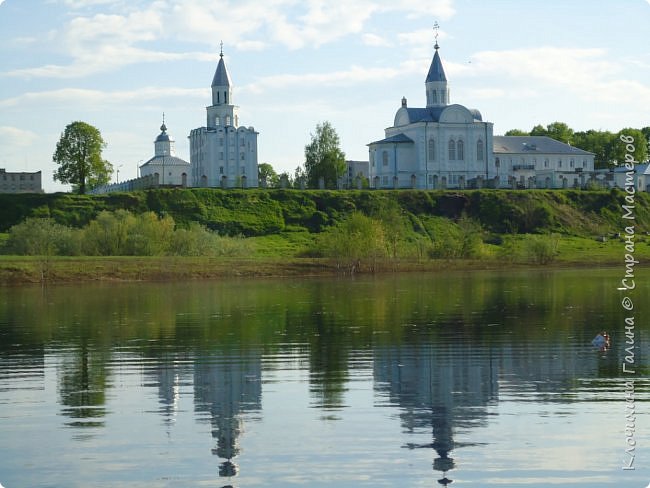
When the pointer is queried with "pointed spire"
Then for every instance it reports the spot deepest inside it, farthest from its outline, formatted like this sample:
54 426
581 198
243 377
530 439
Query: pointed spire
221 76
436 72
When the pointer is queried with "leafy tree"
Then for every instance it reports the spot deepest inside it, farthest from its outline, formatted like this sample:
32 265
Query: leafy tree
268 174
556 130
517 132
640 144
323 157
79 156
601 143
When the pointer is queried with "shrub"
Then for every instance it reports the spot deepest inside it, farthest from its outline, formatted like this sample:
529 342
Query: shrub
42 237
541 249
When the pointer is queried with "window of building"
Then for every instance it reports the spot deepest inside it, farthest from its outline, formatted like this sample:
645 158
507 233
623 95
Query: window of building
432 150
452 150
218 98
227 119
384 180
220 170
225 97
243 170
479 150
435 96
243 142
221 141
242 156
217 121
460 149
572 163
384 158
559 163
546 163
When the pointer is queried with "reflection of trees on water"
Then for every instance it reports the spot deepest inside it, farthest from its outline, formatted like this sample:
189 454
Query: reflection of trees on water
82 387
226 386
438 387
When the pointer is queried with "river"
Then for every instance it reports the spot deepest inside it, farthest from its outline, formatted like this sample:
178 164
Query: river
475 378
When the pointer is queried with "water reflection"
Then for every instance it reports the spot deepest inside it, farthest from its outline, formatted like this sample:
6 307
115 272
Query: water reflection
226 386
442 355
439 388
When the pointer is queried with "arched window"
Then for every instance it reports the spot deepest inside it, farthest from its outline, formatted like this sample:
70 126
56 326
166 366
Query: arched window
443 98
225 97
432 150
452 150
217 121
384 158
460 149
218 97
227 119
479 150
435 96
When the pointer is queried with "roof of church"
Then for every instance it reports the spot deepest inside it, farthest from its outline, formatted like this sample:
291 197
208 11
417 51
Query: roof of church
436 72
166 161
221 76
528 144
398 138
163 136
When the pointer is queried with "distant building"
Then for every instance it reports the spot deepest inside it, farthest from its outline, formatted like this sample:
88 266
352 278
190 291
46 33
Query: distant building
620 177
447 145
540 162
169 169
356 174
442 145
224 153
20 182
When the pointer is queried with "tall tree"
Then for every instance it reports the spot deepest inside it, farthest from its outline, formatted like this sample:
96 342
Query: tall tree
640 144
323 157
268 174
601 143
79 156
556 130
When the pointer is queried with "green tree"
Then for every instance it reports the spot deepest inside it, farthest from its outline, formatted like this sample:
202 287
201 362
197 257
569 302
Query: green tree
268 174
556 130
323 157
601 143
517 132
79 156
640 145
539 130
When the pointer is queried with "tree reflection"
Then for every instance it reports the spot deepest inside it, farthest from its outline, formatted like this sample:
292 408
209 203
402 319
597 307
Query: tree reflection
82 387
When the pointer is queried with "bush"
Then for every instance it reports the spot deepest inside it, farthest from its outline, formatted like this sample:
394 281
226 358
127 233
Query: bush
355 240
541 249
42 237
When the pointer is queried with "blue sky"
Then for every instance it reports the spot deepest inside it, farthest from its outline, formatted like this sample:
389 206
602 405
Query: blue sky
118 64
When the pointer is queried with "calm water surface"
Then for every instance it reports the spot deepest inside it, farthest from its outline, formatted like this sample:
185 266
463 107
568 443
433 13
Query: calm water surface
483 379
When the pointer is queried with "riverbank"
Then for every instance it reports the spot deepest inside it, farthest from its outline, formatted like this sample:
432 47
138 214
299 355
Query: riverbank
19 270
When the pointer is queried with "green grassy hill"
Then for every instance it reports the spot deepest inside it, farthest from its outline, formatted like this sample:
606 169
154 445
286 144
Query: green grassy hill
258 212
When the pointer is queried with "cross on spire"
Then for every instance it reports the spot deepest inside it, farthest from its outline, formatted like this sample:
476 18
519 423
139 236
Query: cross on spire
221 53
436 26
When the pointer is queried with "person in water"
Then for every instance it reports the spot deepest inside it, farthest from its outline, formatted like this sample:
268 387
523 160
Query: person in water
601 341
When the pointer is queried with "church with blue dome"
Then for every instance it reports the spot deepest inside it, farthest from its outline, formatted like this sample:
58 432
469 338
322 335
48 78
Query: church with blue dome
442 145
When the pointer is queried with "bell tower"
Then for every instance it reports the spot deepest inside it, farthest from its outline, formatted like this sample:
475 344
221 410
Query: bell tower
436 82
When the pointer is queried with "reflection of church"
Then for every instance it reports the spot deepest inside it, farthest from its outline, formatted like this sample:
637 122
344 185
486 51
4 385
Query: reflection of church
439 388
225 388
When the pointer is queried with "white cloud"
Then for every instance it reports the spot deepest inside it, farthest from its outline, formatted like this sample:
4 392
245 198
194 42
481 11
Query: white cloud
12 136
101 99
374 40
105 42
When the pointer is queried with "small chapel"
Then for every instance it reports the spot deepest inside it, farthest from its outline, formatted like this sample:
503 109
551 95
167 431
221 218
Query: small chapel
223 153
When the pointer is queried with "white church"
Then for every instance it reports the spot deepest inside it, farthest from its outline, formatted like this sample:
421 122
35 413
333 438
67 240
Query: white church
445 145
223 154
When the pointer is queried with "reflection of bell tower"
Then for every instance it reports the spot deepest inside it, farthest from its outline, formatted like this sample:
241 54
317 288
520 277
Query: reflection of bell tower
438 387
226 388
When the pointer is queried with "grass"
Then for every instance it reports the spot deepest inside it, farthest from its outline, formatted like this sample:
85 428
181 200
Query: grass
276 256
